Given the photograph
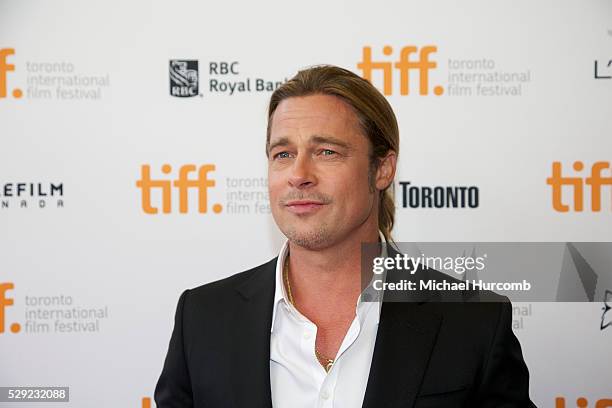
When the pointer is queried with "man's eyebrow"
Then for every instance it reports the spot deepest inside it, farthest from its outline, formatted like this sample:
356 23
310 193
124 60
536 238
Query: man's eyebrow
322 139
283 141
316 139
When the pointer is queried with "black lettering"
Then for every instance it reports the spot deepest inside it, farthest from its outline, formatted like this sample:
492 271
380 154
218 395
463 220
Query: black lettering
438 197
462 189
426 199
404 185
413 197
451 196
473 197
59 188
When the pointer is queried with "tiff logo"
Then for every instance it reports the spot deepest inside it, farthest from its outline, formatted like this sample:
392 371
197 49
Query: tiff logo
584 403
183 184
4 302
404 65
4 69
557 181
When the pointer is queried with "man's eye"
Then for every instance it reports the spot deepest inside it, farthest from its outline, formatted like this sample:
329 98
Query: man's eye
327 152
281 155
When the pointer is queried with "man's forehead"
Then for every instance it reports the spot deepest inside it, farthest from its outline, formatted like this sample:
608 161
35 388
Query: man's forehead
313 103
316 114
314 106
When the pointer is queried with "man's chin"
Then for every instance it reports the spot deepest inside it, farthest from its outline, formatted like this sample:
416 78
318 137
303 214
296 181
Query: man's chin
313 239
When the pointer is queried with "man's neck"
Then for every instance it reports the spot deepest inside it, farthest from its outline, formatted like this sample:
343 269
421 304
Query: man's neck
330 278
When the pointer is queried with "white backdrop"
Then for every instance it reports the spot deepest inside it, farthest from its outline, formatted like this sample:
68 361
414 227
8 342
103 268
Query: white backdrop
88 103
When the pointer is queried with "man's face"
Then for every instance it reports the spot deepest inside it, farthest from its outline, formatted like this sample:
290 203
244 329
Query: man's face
318 171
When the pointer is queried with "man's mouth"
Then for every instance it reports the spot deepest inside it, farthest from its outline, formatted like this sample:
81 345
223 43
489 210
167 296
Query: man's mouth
304 206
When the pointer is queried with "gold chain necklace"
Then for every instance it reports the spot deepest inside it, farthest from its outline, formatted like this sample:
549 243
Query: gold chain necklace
327 363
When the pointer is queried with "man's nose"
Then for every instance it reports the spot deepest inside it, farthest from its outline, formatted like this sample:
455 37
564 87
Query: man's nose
302 173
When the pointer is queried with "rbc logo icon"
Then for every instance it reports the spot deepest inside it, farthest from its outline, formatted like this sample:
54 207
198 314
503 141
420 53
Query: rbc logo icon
184 78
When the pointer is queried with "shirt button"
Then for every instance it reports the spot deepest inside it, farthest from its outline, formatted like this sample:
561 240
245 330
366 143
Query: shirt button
325 394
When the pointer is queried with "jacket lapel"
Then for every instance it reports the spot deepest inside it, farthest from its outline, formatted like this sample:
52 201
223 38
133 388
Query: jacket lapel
250 323
404 342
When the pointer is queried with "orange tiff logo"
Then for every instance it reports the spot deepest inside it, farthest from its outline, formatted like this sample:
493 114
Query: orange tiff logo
4 302
404 65
5 67
201 183
595 181
584 403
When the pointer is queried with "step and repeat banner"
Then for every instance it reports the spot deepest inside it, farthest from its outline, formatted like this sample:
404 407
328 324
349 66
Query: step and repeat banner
132 165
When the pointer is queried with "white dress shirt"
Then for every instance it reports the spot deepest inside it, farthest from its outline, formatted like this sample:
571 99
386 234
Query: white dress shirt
297 378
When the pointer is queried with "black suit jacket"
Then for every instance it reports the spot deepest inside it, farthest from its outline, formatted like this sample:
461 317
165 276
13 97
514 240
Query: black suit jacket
427 353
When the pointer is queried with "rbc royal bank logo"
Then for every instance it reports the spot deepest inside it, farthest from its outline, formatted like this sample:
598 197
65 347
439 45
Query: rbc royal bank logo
410 59
184 78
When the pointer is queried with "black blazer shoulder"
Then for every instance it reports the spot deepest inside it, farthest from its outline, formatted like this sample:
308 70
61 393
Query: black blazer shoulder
430 352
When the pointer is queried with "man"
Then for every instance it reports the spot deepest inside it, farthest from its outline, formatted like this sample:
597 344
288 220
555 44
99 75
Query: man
295 332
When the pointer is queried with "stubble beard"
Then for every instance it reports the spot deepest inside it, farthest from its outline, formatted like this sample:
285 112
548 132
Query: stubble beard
316 238
320 236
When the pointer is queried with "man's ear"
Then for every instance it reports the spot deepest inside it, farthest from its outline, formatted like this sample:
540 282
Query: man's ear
385 173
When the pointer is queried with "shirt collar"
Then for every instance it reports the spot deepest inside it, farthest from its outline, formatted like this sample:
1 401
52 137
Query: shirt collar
280 294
